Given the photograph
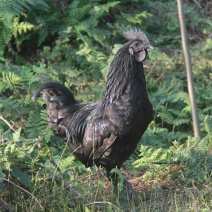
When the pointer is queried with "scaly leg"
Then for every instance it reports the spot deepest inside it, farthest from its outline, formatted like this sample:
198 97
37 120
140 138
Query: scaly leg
114 178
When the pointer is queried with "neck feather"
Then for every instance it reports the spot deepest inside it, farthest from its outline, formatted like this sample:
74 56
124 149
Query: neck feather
124 70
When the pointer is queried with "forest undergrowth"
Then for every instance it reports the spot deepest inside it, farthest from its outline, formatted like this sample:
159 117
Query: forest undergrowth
73 42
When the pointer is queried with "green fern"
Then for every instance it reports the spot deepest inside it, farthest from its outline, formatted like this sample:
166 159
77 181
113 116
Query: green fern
10 13
195 154
79 11
10 79
36 125
19 28
8 105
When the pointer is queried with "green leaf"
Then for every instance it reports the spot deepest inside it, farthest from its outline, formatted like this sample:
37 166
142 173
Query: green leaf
24 178
17 134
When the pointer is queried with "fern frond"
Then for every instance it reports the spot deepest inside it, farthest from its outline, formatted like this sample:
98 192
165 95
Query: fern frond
9 105
79 12
10 80
166 116
19 28
10 11
36 125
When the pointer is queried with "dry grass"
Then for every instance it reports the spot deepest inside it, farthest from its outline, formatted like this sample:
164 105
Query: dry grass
156 194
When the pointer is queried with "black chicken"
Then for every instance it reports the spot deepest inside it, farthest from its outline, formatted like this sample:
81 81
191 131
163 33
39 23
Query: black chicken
106 132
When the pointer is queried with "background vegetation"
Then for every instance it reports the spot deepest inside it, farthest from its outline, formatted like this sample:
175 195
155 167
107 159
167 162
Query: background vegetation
73 42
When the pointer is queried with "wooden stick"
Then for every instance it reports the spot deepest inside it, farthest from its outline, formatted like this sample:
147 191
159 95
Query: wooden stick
192 96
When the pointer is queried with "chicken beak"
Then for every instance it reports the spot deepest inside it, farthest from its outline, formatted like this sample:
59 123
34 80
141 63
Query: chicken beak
149 46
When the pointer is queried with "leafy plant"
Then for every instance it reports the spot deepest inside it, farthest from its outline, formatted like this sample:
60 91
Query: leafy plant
12 24
74 43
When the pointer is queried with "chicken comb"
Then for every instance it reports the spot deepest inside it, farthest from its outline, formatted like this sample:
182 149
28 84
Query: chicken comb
135 34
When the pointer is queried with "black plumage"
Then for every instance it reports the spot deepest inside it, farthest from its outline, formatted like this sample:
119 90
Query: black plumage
106 132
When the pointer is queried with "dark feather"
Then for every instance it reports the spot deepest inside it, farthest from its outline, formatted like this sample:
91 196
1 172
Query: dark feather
106 132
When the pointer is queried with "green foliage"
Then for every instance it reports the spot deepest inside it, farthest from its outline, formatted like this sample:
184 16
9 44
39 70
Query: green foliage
12 24
74 43
194 154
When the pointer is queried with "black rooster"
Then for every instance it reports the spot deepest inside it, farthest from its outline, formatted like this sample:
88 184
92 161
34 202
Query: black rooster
106 132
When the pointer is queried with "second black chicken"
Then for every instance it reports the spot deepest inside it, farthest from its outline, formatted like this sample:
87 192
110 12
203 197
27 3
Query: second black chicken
106 132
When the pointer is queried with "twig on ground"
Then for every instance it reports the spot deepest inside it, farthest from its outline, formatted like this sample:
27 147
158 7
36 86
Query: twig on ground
7 122
5 205
33 196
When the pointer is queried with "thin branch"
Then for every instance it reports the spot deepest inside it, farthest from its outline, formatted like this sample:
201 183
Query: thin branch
24 191
5 205
162 74
191 91
197 4
7 122
167 163
152 69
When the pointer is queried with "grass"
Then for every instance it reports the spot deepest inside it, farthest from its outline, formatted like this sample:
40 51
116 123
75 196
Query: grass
160 194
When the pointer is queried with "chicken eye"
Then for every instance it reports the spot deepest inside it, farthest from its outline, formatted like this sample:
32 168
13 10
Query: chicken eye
136 44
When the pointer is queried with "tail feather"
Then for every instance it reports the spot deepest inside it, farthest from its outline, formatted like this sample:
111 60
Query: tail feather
58 102
61 91
66 117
